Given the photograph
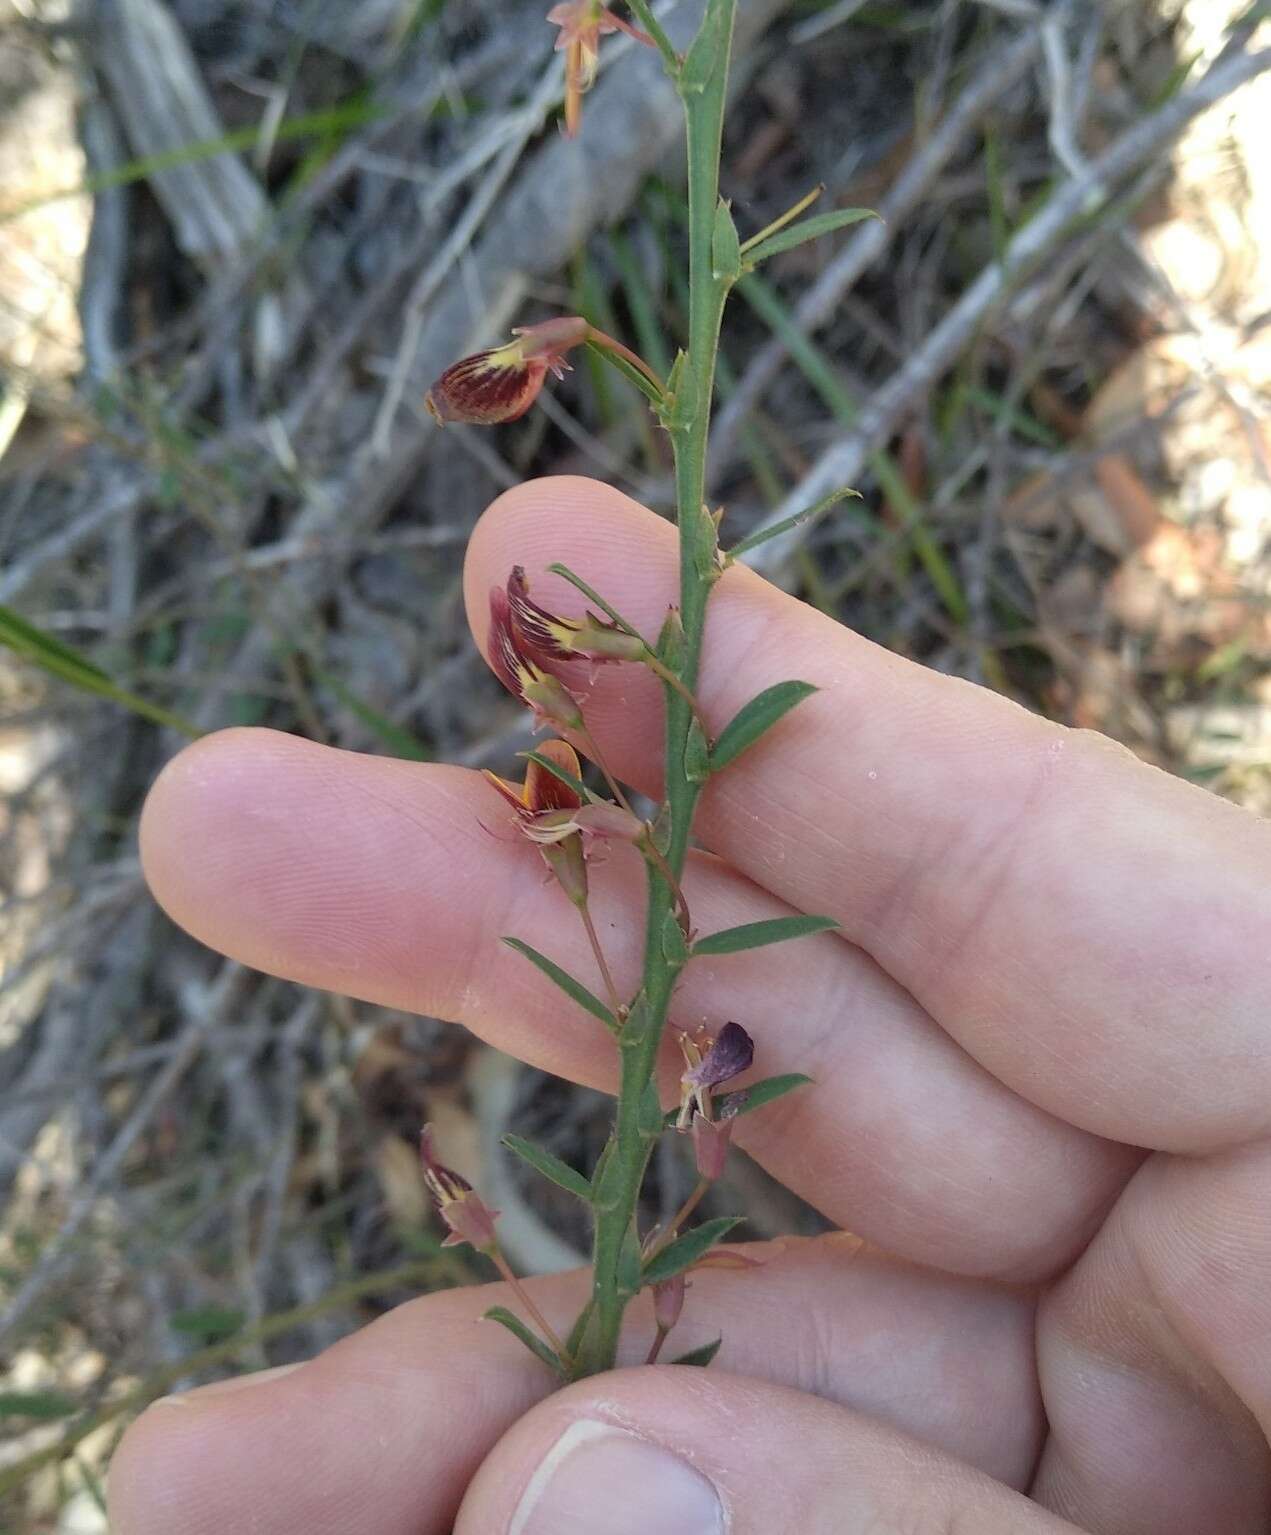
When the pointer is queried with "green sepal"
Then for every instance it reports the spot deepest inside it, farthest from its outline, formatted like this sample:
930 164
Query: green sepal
679 409
686 1250
630 1272
651 1125
698 762
552 1168
806 229
578 1331
725 245
706 549
701 1356
753 719
574 990
674 944
757 935
670 647
707 52
532 1341
746 1099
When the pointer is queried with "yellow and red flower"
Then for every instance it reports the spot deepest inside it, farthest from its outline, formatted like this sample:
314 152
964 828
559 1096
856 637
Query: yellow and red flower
501 383
523 677
549 637
582 23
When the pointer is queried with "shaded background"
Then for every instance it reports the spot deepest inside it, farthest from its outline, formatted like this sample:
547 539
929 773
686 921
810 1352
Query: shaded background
237 240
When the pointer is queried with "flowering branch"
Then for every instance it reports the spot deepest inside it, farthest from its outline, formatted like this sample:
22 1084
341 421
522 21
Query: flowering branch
529 649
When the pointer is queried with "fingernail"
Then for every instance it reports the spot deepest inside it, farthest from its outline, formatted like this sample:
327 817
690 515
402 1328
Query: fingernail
221 1387
603 1481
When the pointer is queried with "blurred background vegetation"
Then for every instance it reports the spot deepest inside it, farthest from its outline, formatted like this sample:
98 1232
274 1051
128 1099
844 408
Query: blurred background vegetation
238 238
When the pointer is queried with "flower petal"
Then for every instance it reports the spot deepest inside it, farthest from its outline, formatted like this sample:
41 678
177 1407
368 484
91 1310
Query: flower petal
730 1055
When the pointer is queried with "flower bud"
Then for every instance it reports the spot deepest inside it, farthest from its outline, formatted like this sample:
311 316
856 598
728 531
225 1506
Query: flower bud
466 1214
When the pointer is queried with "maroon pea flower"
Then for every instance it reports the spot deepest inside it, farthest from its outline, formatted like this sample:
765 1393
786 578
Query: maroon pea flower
708 1065
501 383
552 638
523 677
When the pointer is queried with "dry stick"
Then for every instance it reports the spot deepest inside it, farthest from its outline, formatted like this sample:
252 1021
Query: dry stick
999 73
55 1253
1076 200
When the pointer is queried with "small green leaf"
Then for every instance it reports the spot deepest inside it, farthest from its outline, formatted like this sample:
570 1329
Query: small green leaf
532 1341
686 1250
555 769
754 718
592 595
729 1105
573 989
805 230
579 1330
725 245
763 534
697 755
552 1168
700 1357
756 935
732 1105
629 371
39 1406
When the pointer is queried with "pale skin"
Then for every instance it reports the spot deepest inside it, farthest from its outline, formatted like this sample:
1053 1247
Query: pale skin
1042 1051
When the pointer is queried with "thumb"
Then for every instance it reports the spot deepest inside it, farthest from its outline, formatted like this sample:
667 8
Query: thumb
682 1451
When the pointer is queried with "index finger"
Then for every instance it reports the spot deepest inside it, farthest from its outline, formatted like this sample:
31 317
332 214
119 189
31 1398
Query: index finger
1090 929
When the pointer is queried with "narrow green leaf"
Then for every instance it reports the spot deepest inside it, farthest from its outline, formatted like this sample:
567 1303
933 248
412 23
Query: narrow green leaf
756 717
552 1168
573 989
69 665
733 1105
686 1250
728 1105
755 935
39 1406
555 769
208 1323
805 230
725 245
532 1341
700 1357
592 595
632 374
813 514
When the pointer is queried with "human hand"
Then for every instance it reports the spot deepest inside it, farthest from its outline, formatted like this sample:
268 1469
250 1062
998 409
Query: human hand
1042 1051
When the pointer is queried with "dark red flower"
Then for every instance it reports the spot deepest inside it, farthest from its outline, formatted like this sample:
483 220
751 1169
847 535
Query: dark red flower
548 697
708 1064
552 638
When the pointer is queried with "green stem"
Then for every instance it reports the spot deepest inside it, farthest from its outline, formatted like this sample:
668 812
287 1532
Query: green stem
702 82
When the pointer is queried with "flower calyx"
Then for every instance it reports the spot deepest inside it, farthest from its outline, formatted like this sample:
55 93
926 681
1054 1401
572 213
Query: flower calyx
465 1213
582 23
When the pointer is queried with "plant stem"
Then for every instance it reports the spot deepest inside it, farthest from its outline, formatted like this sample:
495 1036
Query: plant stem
615 1002
702 82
